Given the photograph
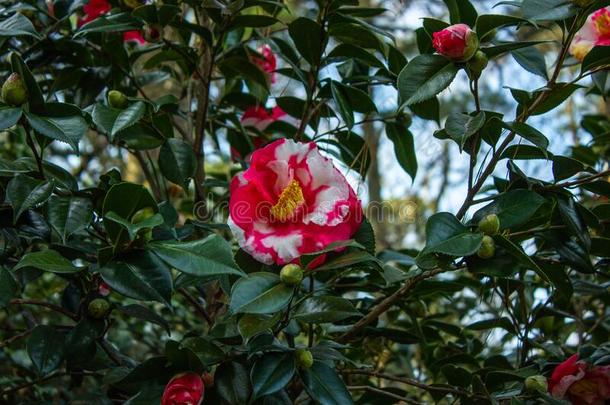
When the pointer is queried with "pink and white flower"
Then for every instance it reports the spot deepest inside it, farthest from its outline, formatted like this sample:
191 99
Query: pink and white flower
260 118
595 32
291 201
266 61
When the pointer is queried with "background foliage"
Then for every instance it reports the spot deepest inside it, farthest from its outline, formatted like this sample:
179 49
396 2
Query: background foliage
136 199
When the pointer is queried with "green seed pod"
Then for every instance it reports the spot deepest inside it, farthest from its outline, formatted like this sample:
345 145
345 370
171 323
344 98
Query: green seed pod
98 308
490 224
14 91
488 248
291 275
116 99
536 383
304 358
478 63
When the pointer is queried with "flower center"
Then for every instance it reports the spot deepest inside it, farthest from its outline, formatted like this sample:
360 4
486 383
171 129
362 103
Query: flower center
602 22
583 388
289 200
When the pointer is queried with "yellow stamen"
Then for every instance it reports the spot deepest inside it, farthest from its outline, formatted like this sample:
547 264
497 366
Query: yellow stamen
583 388
602 23
289 200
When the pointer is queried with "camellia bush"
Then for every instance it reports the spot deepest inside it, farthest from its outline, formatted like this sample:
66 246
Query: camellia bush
177 225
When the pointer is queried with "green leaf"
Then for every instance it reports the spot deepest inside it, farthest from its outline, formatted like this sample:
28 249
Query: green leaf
530 133
516 207
324 385
565 167
111 23
146 314
502 47
104 117
446 235
125 199
45 347
460 126
548 10
65 129
488 23
345 109
48 260
404 147
35 97
259 293
17 25
597 57
424 77
232 383
271 373
9 116
8 286
203 257
25 192
255 21
177 161
68 215
348 51
251 325
307 36
128 117
461 11
141 276
560 93
325 309
134 229
532 60
520 256
493 323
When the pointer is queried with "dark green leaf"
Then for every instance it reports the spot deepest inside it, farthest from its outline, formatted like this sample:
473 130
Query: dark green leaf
404 147
24 192
204 257
597 57
325 309
141 312
324 385
45 347
233 383
128 117
271 373
48 260
177 161
445 234
259 293
65 129
532 60
8 286
307 36
460 126
543 10
9 116
424 77
35 97
17 25
68 215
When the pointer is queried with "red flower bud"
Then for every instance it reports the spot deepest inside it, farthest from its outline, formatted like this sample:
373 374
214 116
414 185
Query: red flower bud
457 42
183 389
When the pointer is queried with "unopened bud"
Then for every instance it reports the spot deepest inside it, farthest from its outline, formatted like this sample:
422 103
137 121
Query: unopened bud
490 224
304 358
291 275
536 383
98 308
14 91
488 248
478 63
116 99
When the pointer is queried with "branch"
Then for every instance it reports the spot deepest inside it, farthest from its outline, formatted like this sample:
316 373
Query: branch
489 169
387 303
379 391
48 305
197 306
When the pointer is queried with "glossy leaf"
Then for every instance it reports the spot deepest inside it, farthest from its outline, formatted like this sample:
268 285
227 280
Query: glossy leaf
259 293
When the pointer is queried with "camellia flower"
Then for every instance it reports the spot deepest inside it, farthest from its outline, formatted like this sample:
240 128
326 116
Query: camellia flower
184 389
96 8
266 61
260 118
457 42
595 32
291 201
580 383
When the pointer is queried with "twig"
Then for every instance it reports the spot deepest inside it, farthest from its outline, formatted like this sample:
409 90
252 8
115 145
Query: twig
381 392
197 306
387 303
12 339
48 305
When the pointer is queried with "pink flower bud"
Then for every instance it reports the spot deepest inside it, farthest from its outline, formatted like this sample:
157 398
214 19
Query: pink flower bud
457 42
183 389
